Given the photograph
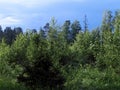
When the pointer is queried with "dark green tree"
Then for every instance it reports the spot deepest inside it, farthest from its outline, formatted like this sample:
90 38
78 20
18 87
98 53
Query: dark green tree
83 48
9 35
40 71
1 34
107 24
66 30
76 28
42 33
18 30
85 23
19 48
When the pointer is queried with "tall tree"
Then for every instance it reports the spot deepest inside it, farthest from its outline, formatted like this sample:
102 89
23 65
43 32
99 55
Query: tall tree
85 23
1 33
42 33
76 27
83 48
40 70
19 47
18 30
107 24
9 35
66 30
34 31
46 29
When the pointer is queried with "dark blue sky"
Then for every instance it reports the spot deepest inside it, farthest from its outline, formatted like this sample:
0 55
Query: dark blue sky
35 13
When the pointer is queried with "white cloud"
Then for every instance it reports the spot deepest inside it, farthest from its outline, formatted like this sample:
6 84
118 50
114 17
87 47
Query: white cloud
9 21
34 3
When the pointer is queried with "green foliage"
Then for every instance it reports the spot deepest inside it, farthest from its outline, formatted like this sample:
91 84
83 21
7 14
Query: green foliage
76 27
41 69
83 48
18 50
89 78
8 72
62 60
66 30
7 83
107 24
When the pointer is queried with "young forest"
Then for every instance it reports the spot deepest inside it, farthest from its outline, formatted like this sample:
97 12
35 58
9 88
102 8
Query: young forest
67 57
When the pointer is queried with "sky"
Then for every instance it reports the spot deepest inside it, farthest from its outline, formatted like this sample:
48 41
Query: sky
34 14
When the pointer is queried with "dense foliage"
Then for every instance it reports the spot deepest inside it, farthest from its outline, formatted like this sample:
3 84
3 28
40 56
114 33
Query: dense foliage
62 58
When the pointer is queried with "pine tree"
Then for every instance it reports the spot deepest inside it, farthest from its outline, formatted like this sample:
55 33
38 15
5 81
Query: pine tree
76 28
107 24
85 23
66 30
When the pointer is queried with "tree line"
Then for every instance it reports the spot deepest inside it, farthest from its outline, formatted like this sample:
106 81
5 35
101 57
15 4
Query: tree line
62 58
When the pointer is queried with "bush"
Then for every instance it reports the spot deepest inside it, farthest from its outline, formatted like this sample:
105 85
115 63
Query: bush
89 78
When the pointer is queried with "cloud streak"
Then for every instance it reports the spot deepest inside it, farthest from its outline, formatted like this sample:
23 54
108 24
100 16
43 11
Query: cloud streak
9 21
33 13
34 3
